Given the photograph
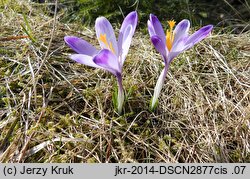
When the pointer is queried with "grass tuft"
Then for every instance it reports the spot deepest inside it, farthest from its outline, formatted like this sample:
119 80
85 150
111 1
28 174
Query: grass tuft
55 110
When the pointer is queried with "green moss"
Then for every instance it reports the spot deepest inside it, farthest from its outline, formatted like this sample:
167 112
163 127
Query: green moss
74 102
236 155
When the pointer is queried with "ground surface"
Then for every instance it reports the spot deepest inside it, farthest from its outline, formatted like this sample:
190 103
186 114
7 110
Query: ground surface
55 110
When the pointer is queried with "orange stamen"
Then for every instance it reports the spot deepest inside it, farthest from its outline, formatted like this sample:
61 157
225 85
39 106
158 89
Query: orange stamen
109 45
170 35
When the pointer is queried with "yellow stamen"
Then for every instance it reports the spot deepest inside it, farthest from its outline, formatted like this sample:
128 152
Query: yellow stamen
109 45
103 39
171 24
170 35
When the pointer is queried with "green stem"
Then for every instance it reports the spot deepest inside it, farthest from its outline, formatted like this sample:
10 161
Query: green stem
120 97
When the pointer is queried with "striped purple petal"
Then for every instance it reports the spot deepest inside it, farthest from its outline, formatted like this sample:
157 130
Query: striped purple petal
181 30
126 33
151 29
159 45
80 45
156 27
107 60
105 34
84 59
200 34
178 48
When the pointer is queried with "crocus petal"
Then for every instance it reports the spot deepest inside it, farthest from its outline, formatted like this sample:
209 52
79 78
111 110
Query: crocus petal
181 30
159 45
84 59
178 48
200 34
104 28
107 60
151 29
80 46
156 25
126 33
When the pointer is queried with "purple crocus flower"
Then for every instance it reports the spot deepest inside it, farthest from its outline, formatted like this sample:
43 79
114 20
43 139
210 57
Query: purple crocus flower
169 45
112 54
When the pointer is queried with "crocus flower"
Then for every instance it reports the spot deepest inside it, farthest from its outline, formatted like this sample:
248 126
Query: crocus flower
169 45
112 54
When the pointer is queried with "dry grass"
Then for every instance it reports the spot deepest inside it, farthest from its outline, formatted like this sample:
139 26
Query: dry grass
55 110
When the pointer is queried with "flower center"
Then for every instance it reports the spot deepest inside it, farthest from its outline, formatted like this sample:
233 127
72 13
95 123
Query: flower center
109 45
170 35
